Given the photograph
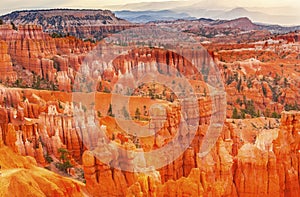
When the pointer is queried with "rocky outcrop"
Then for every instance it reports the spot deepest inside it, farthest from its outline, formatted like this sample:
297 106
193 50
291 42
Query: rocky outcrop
272 163
264 167
28 46
259 167
54 60
212 176
290 37
286 149
184 166
249 82
102 180
94 24
6 69
20 175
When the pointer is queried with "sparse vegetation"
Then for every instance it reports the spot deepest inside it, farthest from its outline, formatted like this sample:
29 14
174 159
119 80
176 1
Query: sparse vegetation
275 115
235 114
48 158
125 113
56 65
137 114
14 26
99 114
106 90
230 79
65 162
110 111
37 83
239 85
290 107
264 90
90 40
249 109
57 35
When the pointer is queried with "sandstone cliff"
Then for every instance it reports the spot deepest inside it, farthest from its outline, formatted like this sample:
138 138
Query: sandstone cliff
6 69
94 24
51 60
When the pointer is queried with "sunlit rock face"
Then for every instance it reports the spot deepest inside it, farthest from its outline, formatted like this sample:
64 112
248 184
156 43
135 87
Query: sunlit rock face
6 69
94 24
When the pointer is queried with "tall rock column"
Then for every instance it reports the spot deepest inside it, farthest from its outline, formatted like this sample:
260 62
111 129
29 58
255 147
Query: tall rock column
6 69
286 148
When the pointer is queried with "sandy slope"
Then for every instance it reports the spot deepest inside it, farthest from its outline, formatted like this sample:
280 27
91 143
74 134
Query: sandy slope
21 177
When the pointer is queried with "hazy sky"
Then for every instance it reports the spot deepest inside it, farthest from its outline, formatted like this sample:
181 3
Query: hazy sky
285 7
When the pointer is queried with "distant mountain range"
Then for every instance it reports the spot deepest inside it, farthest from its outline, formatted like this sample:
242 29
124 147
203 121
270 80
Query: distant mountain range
148 16
257 16
215 9
168 15
211 28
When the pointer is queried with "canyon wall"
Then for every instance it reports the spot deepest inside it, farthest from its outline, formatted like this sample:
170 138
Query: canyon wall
50 59
92 24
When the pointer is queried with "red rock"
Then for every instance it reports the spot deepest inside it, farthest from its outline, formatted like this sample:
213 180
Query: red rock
286 149
100 179
6 69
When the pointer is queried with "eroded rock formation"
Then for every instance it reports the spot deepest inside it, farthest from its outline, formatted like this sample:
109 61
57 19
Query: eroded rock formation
94 24
6 69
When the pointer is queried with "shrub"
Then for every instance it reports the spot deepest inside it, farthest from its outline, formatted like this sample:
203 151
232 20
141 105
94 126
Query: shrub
250 109
125 113
48 158
65 161
249 83
14 26
275 115
106 90
289 107
264 90
137 114
239 85
109 111
57 35
235 114
63 166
